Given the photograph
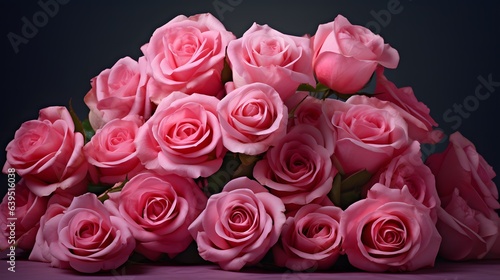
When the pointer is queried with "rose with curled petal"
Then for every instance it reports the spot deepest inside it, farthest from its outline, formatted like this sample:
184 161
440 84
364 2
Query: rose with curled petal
48 153
469 197
416 113
111 152
345 55
158 210
253 118
389 231
298 169
187 54
409 170
366 136
239 225
27 209
118 92
310 239
268 56
87 238
183 136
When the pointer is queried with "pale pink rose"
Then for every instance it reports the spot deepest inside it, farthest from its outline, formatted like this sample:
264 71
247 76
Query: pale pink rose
366 136
416 113
298 169
158 210
87 238
239 225
252 118
183 136
118 92
268 56
409 170
468 197
345 55
20 213
304 109
48 153
310 239
111 152
389 231
57 204
187 54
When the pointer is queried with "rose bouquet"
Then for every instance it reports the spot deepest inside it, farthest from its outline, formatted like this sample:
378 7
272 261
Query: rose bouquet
269 148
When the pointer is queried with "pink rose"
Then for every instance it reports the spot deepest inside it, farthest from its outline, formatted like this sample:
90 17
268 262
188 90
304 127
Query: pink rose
389 231
366 136
87 238
48 154
111 152
119 92
187 54
345 55
239 225
252 118
24 211
298 169
158 210
265 55
416 113
183 136
310 239
468 197
409 170
304 109
57 204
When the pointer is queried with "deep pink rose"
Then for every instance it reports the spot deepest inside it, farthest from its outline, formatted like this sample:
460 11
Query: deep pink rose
253 118
389 231
57 204
468 197
111 152
158 210
366 136
268 56
239 225
183 136
48 153
345 55
416 113
298 169
24 209
187 54
87 238
118 92
409 170
310 239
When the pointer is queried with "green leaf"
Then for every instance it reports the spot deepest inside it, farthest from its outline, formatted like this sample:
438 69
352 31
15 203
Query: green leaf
76 120
334 193
88 130
306 87
321 87
217 181
356 181
227 73
348 198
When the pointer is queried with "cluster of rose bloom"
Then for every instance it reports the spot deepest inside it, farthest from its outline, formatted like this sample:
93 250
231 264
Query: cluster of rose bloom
198 94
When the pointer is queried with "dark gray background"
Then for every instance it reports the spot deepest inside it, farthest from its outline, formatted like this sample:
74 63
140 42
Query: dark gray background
444 48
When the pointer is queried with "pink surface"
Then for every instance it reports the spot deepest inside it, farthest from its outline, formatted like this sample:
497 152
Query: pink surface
489 269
